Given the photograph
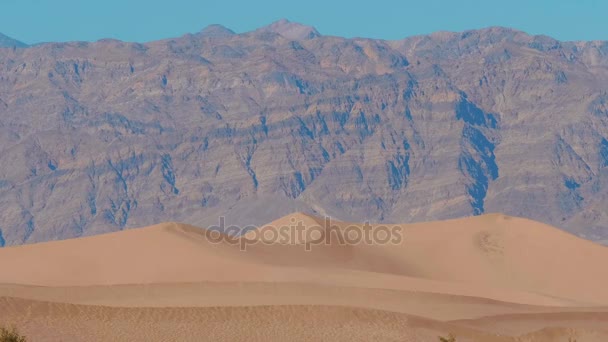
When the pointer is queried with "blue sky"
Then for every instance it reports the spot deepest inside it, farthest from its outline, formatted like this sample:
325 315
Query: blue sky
35 21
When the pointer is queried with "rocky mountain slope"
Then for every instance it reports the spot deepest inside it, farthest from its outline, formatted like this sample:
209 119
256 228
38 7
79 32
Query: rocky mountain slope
109 135
8 42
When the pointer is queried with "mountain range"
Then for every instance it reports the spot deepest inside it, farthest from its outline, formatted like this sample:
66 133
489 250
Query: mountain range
107 135
8 42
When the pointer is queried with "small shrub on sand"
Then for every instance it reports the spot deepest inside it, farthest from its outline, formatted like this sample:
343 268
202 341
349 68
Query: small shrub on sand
11 335
449 338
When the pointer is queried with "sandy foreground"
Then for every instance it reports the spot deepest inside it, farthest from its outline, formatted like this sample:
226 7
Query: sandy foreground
487 278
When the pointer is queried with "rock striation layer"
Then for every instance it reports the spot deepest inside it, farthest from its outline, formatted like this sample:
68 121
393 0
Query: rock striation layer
103 136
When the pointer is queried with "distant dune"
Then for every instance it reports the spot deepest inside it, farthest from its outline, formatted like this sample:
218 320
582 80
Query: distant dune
486 278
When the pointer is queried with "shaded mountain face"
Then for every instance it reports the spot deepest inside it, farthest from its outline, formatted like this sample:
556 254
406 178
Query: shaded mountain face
103 136
8 42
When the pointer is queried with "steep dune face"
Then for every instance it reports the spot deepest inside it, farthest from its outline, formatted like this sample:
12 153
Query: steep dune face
492 256
502 251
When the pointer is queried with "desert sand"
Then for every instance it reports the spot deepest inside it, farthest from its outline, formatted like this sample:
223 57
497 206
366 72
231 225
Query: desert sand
486 278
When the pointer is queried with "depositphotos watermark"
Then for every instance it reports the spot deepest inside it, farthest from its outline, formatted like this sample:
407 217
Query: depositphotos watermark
304 234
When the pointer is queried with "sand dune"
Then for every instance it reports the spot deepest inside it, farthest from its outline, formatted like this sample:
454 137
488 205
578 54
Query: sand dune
479 273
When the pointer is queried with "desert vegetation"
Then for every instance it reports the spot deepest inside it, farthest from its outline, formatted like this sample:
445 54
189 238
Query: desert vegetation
11 335
449 338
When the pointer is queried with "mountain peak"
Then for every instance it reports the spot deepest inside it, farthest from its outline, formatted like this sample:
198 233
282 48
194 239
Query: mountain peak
291 30
9 42
216 31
